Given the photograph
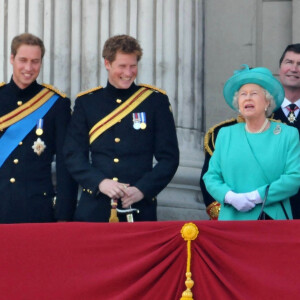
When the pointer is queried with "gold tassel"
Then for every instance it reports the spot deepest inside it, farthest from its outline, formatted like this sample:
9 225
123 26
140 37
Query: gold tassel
189 232
113 216
113 212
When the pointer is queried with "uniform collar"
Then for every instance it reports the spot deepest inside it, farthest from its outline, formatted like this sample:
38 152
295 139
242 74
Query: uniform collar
32 89
121 93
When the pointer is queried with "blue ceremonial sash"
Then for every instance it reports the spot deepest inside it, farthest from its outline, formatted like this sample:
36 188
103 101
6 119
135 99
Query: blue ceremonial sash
16 132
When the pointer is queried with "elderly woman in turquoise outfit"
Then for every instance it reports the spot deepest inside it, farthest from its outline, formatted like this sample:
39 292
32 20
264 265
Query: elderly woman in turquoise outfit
256 163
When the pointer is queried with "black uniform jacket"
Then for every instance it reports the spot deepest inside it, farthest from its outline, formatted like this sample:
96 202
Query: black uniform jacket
26 188
121 153
294 200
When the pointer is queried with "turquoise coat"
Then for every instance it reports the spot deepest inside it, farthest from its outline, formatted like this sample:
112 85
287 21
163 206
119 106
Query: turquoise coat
244 162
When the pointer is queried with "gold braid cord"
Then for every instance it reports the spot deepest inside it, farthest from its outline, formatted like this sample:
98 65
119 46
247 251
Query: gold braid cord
152 87
189 232
52 88
89 91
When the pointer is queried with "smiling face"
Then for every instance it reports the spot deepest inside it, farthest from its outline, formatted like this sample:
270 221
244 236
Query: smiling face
289 72
26 65
252 101
123 70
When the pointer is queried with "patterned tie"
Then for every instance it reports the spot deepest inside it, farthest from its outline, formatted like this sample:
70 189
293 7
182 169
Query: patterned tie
291 116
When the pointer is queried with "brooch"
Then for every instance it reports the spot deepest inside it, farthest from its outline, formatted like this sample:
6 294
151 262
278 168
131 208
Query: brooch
277 129
38 146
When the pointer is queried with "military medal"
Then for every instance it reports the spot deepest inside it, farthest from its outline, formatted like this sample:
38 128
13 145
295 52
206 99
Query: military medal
136 121
291 117
39 127
143 120
277 129
38 146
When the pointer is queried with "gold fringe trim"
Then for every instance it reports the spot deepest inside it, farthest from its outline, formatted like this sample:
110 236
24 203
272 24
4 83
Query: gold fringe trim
274 120
152 87
52 88
210 136
189 232
2 84
89 91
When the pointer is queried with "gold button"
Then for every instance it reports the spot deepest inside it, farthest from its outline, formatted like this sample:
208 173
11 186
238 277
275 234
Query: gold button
117 140
116 160
16 161
12 180
119 101
45 194
19 103
115 179
21 143
83 190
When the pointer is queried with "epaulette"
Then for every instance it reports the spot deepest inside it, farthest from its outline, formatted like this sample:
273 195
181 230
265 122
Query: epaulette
153 88
52 88
2 84
271 118
89 91
210 136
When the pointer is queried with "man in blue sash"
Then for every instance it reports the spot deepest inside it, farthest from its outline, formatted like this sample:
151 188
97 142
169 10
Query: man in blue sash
33 121
123 126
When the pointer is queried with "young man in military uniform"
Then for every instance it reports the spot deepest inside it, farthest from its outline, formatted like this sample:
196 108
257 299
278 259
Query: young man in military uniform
289 76
33 123
122 126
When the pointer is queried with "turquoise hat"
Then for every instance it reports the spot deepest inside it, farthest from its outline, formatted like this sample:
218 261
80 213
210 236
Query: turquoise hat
260 76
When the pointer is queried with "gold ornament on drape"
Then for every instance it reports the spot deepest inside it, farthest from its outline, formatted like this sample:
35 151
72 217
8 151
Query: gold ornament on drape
189 232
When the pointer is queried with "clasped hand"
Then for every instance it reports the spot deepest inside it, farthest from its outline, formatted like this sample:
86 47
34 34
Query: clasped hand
117 190
243 201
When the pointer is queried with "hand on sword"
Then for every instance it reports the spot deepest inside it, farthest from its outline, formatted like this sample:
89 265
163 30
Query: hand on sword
132 195
113 189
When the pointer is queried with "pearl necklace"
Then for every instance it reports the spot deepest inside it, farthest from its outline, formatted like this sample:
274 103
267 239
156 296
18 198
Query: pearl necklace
260 130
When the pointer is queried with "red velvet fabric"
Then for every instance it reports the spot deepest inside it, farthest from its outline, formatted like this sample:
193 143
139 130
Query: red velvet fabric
87 261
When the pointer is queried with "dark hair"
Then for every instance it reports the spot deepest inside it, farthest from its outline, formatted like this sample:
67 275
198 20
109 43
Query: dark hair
26 39
121 43
290 48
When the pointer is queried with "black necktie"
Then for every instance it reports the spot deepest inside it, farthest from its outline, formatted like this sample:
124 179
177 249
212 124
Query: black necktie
291 116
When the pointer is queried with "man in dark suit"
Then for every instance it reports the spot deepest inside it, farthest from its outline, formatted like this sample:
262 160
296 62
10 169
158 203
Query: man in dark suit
113 136
33 123
289 76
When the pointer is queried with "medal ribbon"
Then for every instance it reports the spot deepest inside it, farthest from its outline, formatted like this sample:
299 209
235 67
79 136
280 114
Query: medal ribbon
119 113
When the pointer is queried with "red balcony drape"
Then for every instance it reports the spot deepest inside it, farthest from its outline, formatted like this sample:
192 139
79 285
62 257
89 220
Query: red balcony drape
93 261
